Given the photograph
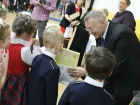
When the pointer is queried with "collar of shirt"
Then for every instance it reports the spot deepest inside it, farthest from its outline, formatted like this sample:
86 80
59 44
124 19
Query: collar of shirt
92 81
18 41
104 35
50 54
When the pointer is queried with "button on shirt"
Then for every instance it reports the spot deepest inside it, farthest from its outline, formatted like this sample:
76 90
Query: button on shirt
42 13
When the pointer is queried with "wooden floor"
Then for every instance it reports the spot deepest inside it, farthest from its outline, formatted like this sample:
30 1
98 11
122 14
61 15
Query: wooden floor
10 18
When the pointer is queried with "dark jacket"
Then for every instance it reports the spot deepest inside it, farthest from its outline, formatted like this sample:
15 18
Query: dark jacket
82 93
126 18
43 81
124 44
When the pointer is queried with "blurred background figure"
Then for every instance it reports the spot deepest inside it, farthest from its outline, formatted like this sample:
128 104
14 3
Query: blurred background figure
124 16
104 11
41 13
3 12
67 21
63 3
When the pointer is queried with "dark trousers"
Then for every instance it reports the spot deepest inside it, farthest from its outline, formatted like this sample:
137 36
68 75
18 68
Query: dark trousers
41 28
65 44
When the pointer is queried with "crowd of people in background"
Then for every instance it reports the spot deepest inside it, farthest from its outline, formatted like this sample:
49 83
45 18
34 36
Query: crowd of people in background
26 5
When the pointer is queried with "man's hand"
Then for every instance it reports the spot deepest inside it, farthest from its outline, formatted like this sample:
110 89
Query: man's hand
76 72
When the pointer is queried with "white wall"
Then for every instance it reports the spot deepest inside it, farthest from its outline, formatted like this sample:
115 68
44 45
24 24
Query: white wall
112 6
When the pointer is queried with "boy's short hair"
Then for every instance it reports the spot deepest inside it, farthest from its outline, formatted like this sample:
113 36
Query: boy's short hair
99 63
52 36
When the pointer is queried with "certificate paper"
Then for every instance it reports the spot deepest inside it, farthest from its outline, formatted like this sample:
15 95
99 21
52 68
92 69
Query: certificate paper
66 58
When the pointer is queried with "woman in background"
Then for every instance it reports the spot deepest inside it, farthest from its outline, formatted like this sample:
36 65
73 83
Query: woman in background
124 16
67 21
80 39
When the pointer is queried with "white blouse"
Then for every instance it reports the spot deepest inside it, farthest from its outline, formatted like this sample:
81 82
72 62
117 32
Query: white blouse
26 55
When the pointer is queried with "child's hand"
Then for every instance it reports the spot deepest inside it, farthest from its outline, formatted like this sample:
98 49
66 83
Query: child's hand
35 42
5 58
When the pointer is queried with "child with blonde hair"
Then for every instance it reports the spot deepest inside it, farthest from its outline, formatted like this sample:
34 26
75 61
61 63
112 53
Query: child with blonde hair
44 75
4 42
14 91
4 55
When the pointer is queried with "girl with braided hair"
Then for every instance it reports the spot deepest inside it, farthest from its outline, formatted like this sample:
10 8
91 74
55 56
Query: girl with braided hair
14 91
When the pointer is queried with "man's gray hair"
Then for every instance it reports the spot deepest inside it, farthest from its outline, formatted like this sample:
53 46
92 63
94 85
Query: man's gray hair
95 15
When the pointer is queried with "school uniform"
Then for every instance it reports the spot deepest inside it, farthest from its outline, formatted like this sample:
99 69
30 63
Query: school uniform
14 91
89 92
43 80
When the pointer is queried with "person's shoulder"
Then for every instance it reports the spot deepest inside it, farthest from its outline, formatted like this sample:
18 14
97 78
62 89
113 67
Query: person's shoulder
75 82
71 4
45 62
128 13
109 94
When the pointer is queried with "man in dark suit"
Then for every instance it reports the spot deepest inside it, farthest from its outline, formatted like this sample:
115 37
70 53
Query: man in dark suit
123 43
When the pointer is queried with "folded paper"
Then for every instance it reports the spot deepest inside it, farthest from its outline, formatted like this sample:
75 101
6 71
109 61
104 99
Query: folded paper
65 59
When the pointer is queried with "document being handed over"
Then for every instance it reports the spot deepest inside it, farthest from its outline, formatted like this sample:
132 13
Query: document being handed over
66 58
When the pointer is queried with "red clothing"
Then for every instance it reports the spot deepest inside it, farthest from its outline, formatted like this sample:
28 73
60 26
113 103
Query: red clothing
14 91
15 59
62 29
77 9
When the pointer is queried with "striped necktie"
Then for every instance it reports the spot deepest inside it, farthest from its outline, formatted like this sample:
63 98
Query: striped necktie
102 41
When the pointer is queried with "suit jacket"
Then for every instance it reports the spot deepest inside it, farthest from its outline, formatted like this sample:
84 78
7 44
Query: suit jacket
43 81
123 43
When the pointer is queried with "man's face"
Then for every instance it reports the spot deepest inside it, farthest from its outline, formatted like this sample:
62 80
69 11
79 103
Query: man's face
96 28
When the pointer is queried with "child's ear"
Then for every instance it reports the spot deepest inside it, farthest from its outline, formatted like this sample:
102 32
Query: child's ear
110 73
59 46
25 34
